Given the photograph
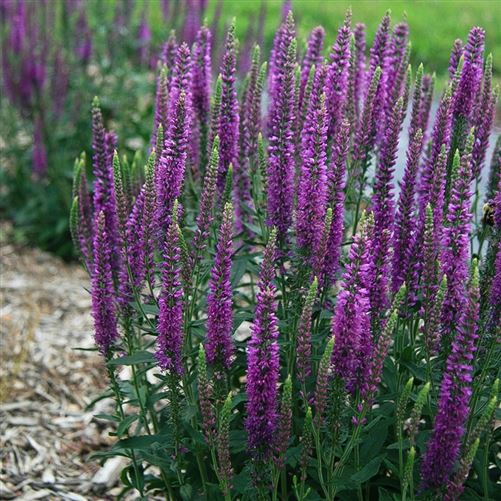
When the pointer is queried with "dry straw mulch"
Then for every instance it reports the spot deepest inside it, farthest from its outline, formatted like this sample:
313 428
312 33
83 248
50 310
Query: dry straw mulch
46 432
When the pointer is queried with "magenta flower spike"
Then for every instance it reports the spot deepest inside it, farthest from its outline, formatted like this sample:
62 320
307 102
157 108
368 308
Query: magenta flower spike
337 181
229 117
312 193
133 254
313 57
359 61
395 62
250 121
280 172
161 104
39 151
170 320
169 53
483 119
263 364
471 74
405 223
384 211
456 239
219 344
202 67
206 207
102 293
83 47
365 134
456 53
337 75
426 99
172 165
103 146
377 59
351 323
144 40
455 391
441 136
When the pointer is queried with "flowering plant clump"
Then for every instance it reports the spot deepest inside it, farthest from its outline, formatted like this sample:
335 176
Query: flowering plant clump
276 319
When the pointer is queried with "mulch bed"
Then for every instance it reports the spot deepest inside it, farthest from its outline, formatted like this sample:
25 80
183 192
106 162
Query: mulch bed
46 430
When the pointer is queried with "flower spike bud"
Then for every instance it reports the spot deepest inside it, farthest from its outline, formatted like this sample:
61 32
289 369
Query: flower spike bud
303 347
322 386
284 423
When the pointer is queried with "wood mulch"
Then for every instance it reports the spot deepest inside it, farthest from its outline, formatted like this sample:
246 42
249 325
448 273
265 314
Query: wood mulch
46 430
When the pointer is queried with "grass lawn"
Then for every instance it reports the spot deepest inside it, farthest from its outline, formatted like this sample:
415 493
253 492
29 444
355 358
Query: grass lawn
434 25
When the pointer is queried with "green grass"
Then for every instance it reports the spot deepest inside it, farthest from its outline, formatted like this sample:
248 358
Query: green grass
434 25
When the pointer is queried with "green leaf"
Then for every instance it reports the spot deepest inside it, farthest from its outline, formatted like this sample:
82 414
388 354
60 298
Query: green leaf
369 470
384 495
186 491
374 441
124 425
140 357
141 442
107 417
189 412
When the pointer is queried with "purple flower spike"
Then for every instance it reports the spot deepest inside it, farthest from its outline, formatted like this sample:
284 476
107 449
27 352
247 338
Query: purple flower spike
103 146
280 172
426 99
103 307
396 62
144 40
312 194
169 51
471 74
202 65
384 210
365 133
83 47
404 220
39 151
133 254
455 392
250 121
456 239
351 325
219 345
170 321
313 57
337 175
359 61
456 53
337 75
206 207
229 118
161 104
181 82
441 136
484 118
263 364
172 165
377 59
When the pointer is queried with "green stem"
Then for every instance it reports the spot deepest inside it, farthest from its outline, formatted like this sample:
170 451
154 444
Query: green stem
485 471
118 397
316 434
347 452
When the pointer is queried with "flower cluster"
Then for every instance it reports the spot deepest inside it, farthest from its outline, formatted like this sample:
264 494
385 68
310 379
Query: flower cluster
270 303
